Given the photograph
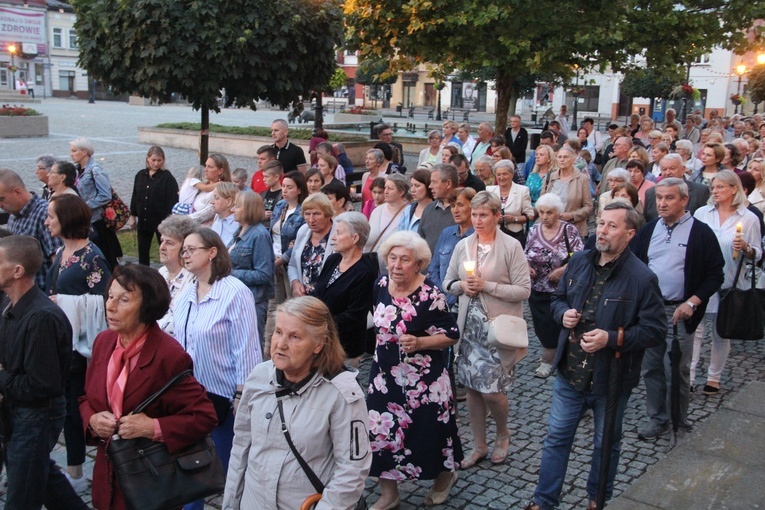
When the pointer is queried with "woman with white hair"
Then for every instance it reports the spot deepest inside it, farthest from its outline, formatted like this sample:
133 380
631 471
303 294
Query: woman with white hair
515 201
685 149
726 210
489 274
573 188
615 176
93 185
412 412
551 244
346 281
432 153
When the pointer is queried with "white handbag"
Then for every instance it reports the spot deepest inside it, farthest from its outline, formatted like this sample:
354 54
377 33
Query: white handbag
507 331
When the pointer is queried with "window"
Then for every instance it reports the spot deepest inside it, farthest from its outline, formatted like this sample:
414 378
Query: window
4 73
66 80
72 39
38 74
703 60
57 38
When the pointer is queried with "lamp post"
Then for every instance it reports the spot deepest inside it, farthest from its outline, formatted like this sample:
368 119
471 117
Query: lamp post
576 98
760 61
740 70
12 50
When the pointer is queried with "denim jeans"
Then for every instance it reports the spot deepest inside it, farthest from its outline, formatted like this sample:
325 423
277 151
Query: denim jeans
568 406
33 478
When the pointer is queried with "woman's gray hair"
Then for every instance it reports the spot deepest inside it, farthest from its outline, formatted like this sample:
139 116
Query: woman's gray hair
487 200
685 145
619 173
485 160
568 148
47 160
504 163
357 224
729 177
83 144
433 133
378 154
412 242
551 201
402 184
177 226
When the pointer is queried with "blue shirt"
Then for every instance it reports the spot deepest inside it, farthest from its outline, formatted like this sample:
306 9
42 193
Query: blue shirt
93 185
220 334
442 255
253 261
30 221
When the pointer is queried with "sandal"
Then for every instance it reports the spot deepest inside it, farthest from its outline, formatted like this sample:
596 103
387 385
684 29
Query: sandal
439 497
474 459
500 452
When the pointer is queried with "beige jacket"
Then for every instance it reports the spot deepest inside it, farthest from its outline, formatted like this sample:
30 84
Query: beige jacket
579 198
518 203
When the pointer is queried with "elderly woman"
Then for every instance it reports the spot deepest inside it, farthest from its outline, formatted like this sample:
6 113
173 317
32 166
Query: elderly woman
497 285
726 210
691 162
373 161
646 126
615 176
216 170
757 197
516 208
346 280
252 259
459 204
306 391
43 167
172 232
155 192
421 197
132 361
658 151
385 220
712 154
286 220
544 164
551 244
77 282
572 188
484 169
312 246
432 153
215 322
61 179
412 413
93 185
222 204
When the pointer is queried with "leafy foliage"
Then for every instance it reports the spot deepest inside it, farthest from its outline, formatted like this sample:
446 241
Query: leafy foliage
17 111
255 49
375 71
756 87
295 133
650 83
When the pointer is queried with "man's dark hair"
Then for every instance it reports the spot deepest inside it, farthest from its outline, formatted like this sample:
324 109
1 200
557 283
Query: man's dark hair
269 149
459 159
554 123
588 120
24 251
632 218
386 149
547 135
68 170
448 172
155 295
73 216
636 164
381 127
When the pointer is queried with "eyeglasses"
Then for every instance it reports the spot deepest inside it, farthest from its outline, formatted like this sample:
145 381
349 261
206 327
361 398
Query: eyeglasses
190 250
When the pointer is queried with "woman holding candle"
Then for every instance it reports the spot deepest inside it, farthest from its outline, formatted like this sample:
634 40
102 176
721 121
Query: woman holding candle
488 272
738 232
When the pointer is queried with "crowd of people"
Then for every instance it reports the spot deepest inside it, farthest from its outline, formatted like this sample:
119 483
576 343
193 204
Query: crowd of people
275 288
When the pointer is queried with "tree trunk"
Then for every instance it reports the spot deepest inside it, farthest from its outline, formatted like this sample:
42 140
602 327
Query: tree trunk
505 85
204 135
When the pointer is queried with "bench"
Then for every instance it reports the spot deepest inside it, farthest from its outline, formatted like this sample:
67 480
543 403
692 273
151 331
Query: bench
334 105
422 110
456 112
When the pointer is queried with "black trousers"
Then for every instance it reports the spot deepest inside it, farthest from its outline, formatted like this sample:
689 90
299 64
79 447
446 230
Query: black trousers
144 245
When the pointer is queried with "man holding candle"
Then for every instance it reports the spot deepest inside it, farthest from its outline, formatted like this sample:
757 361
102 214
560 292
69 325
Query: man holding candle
685 255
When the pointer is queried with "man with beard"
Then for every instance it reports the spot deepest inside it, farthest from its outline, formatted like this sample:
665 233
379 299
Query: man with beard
607 301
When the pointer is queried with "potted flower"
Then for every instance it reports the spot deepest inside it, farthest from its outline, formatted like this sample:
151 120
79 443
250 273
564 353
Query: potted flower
737 99
19 122
686 91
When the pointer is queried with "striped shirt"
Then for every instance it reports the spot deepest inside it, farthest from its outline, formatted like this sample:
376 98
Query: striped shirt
726 233
220 334
30 221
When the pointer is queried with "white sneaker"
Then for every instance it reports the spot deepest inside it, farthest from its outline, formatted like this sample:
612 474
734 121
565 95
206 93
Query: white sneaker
80 485
543 370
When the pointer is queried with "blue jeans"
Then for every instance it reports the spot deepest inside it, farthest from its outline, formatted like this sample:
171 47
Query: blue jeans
568 406
33 478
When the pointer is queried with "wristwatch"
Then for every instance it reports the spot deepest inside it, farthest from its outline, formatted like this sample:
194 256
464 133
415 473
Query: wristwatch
693 307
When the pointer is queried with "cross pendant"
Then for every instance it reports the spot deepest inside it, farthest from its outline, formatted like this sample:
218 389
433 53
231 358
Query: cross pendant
584 363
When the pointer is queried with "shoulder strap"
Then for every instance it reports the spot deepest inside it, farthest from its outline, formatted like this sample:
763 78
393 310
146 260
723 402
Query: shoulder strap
395 215
56 271
175 380
317 485
569 253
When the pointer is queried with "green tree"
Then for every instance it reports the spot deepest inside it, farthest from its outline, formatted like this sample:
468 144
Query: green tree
756 86
254 49
650 83
374 72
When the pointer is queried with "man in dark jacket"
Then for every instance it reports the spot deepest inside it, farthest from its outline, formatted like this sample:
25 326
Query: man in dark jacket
672 166
517 139
607 296
686 256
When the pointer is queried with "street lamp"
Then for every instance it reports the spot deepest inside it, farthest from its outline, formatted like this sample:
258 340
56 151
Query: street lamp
761 58
740 70
576 97
12 50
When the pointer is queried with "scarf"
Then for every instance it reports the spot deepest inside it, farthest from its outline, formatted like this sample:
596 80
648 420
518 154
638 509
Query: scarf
118 369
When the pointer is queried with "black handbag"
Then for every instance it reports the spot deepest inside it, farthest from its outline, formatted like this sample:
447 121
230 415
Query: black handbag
151 478
739 315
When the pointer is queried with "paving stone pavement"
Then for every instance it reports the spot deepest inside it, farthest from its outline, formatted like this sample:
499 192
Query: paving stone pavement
113 126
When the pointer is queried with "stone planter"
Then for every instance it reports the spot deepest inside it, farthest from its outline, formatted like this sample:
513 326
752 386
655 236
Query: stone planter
23 127
356 119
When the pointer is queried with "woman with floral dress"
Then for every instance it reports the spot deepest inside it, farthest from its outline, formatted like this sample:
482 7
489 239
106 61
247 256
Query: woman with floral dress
412 413
77 282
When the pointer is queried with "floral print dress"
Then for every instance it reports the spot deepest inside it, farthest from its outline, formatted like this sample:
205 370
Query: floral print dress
412 413
85 272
